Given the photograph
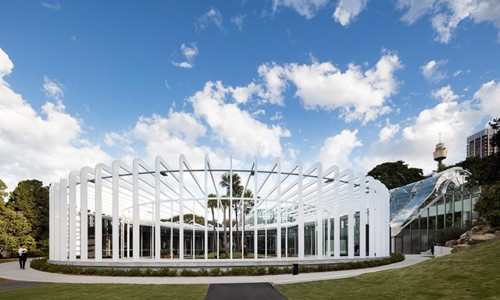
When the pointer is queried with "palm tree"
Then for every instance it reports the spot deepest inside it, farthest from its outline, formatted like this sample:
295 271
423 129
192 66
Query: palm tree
233 186
245 209
212 204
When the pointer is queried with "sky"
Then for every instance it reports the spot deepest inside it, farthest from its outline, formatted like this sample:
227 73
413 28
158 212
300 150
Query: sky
348 83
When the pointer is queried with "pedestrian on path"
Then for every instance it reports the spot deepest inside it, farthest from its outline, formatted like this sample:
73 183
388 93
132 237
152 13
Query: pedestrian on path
23 256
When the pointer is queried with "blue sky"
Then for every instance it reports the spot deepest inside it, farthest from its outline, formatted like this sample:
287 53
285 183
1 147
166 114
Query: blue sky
352 83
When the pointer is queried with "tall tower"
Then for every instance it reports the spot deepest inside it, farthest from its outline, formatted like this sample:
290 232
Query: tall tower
440 154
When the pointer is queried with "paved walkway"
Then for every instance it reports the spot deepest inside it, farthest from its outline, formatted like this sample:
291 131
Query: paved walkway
11 271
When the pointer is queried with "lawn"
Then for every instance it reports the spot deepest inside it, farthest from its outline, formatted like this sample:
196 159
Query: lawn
107 291
473 274
467 275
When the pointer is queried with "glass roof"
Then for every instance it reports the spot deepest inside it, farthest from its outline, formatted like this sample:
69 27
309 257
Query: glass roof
408 200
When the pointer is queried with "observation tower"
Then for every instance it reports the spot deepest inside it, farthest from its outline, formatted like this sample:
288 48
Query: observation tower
440 154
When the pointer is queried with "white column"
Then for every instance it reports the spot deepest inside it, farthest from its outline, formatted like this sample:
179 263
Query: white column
336 214
72 216
135 215
181 207
255 215
64 219
157 209
350 214
84 241
362 215
52 218
280 210
116 211
319 216
300 200
98 212
206 207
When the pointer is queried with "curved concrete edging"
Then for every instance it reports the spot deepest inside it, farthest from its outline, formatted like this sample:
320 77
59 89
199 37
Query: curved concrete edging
11 271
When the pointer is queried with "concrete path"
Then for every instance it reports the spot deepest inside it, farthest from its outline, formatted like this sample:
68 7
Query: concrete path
11 271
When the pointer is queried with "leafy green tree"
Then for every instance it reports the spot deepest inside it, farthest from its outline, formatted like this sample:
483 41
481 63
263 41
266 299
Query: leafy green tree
3 192
495 140
396 174
31 198
488 205
14 230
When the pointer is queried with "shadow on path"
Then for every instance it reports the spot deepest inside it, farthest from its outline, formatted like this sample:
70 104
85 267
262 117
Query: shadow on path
243 291
10 285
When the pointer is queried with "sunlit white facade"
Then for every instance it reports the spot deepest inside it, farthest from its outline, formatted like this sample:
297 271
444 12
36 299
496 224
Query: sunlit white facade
139 214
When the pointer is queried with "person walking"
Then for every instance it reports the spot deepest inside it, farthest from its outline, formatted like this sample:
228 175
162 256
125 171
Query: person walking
23 256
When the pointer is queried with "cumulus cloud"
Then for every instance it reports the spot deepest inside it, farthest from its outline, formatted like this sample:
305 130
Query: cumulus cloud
189 53
489 95
388 131
43 145
306 8
213 16
432 71
415 145
347 10
446 15
361 95
337 149
445 94
243 94
235 127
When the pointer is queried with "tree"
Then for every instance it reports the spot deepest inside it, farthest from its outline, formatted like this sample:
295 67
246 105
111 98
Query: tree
396 174
3 192
488 205
238 191
495 139
14 228
213 204
31 198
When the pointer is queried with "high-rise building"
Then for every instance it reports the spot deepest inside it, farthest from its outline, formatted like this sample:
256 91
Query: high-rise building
479 144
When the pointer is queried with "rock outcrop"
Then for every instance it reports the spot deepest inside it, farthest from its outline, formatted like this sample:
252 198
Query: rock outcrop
478 234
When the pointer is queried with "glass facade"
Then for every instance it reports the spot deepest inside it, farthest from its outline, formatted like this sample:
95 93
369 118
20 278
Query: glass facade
425 213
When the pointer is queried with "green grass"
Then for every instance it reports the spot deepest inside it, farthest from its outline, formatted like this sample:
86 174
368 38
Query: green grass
473 274
107 291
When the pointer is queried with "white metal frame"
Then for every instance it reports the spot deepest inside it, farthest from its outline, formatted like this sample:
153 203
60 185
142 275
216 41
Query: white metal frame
144 196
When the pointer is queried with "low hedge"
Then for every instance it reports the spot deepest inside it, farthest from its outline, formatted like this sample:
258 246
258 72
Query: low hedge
44 265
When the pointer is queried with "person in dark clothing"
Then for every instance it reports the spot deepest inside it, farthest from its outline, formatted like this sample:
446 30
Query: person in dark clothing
23 256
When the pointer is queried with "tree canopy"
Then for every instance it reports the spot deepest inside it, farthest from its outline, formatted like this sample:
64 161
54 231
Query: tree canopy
495 140
396 174
31 198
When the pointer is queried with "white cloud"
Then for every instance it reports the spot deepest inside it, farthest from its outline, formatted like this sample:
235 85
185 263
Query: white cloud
213 16
432 71
274 80
389 131
337 149
243 94
360 95
43 146
347 10
306 8
489 94
454 120
445 94
189 54
238 21
53 89
446 15
234 127
55 6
